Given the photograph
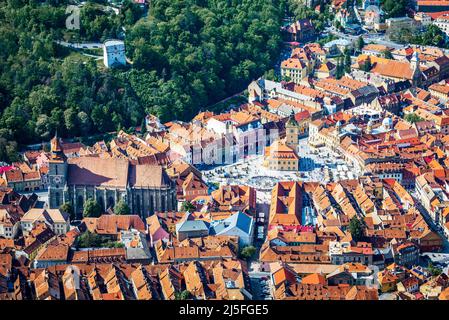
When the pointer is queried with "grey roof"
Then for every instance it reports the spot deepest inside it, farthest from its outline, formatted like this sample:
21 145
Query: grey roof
137 254
191 225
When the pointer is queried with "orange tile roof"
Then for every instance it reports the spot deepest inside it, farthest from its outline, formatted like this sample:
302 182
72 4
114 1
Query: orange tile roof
293 63
314 278
441 88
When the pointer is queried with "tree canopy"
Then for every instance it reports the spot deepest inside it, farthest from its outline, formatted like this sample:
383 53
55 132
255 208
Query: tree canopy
67 208
356 228
360 43
91 209
93 240
319 19
122 208
412 118
189 54
183 295
185 56
434 271
394 8
248 252
432 35
187 206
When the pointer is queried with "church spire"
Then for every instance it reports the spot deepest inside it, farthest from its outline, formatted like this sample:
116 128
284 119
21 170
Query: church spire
56 148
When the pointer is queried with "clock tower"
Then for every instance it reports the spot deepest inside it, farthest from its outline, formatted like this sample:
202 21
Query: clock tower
57 174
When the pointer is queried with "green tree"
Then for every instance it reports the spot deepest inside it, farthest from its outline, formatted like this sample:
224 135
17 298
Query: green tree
348 61
434 271
70 121
432 36
93 240
340 68
187 206
394 8
412 118
89 240
356 228
91 209
67 208
183 295
271 75
387 54
360 43
122 208
367 65
143 127
248 252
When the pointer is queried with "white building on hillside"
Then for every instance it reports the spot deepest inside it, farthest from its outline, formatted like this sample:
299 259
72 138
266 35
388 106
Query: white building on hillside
114 53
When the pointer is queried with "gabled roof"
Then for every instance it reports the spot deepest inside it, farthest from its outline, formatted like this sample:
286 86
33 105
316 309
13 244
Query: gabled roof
238 220
192 225
48 215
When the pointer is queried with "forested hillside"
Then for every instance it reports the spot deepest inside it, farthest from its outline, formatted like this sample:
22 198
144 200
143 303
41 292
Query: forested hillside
186 55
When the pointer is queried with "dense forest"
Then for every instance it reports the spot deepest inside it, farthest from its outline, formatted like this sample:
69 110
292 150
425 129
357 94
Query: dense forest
185 55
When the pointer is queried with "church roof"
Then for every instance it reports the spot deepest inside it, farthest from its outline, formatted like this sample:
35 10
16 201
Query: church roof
114 172
143 175
98 171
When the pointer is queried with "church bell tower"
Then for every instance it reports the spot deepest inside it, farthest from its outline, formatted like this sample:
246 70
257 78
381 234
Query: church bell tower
57 174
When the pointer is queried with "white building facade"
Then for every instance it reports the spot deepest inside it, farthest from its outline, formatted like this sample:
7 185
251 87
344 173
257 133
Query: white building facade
114 53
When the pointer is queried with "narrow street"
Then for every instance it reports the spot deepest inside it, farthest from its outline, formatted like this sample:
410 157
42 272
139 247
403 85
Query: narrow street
432 224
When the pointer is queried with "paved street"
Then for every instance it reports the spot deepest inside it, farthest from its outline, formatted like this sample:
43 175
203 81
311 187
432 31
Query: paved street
87 45
260 283
431 223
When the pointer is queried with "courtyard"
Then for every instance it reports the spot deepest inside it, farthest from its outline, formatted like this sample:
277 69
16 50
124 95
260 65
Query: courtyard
318 164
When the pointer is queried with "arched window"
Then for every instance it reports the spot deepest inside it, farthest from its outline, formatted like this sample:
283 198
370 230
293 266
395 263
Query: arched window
151 205
80 203
101 202
138 203
111 202
57 202
163 203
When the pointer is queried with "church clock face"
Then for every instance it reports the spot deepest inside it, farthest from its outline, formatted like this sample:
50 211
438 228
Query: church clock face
57 179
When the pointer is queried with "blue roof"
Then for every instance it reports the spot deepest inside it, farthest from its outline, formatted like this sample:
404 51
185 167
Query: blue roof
238 220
